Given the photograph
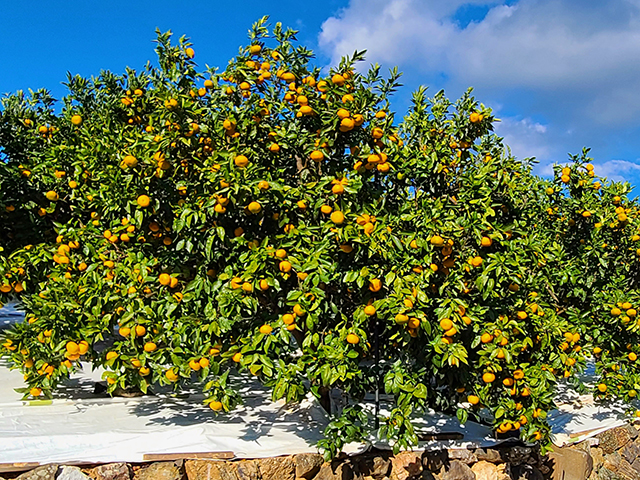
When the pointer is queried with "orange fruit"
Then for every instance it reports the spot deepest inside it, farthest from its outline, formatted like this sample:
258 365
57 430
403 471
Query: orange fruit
486 338
375 284
473 399
266 329
338 80
337 217
285 266
488 377
143 201
51 196
369 310
164 279
317 156
241 161
446 324
76 120
254 207
215 405
353 339
486 242
150 347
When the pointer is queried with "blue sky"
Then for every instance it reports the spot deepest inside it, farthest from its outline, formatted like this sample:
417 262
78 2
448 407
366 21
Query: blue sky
561 74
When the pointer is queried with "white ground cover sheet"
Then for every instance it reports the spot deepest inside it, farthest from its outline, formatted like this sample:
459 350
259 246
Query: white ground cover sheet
78 426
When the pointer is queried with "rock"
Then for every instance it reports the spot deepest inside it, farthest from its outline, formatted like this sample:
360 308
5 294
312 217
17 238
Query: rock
111 471
247 470
524 472
434 461
519 455
459 471
380 468
616 438
597 457
159 471
209 470
71 473
488 455
307 464
630 452
485 471
277 468
464 455
405 465
334 471
569 464
46 472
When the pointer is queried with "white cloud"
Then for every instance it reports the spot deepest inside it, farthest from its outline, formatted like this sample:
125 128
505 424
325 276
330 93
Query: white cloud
618 170
579 52
526 138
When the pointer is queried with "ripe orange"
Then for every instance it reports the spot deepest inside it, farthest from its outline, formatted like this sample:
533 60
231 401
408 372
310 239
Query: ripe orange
150 347
346 125
446 324
488 377
164 279
473 399
254 207
51 196
171 375
266 329
143 201
237 357
486 338
338 80
124 331
369 310
285 266
353 339
375 284
486 242
241 161
337 217
316 156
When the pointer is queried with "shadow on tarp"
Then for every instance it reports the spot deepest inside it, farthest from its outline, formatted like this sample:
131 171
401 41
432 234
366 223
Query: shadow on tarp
253 419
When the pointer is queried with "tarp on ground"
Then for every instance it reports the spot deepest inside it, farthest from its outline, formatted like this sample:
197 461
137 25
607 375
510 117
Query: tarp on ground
80 426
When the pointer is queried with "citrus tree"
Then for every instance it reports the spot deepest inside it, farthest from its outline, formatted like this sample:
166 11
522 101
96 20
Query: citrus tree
175 225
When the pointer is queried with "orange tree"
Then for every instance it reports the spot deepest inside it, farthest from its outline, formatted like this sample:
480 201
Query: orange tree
173 226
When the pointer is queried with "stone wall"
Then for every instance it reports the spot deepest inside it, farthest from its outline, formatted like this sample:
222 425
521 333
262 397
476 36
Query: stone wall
612 455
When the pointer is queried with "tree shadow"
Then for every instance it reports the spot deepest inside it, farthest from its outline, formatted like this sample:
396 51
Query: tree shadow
257 420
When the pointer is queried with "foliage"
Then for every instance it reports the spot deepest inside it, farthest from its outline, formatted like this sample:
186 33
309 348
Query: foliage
175 225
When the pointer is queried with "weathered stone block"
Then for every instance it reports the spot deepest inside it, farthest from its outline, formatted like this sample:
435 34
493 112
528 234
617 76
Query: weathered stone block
46 472
111 471
307 464
488 455
459 471
209 470
247 470
434 461
159 471
616 438
463 455
71 473
406 465
277 468
570 464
